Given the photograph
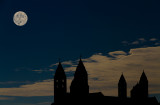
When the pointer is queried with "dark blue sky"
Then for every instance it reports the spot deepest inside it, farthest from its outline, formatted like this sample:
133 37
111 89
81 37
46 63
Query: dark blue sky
69 28
66 29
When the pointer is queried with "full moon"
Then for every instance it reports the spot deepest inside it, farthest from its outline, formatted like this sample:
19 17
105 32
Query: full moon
20 18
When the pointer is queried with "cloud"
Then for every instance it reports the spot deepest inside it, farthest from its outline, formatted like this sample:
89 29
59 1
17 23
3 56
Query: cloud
117 54
138 41
125 42
42 103
15 82
64 63
43 88
142 40
51 70
7 98
39 71
135 42
104 72
153 39
157 43
43 70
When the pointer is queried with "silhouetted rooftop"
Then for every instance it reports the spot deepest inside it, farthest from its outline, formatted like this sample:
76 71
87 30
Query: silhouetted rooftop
59 71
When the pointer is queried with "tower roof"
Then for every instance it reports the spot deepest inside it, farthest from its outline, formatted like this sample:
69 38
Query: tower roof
143 77
59 71
79 84
122 79
80 68
80 64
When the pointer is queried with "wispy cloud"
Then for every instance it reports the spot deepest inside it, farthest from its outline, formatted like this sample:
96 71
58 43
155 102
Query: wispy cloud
142 41
157 43
39 71
104 72
42 103
64 63
107 70
135 42
153 39
43 70
15 82
43 88
7 98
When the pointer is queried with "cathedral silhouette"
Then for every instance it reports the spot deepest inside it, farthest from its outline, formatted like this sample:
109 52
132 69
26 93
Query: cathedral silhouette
79 90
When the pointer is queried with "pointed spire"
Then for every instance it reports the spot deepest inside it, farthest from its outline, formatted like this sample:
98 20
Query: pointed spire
80 61
143 74
80 56
122 87
60 71
122 79
81 68
59 66
143 77
79 84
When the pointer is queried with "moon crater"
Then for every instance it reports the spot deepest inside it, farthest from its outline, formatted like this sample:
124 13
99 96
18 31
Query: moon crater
20 18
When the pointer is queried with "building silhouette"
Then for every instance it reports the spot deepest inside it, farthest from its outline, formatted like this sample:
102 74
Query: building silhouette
122 88
60 85
79 90
140 90
79 85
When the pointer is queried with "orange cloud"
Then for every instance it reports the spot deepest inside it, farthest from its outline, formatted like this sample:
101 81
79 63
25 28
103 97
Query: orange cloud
104 73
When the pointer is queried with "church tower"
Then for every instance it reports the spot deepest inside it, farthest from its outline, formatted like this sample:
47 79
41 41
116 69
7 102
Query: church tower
144 85
122 88
59 84
79 85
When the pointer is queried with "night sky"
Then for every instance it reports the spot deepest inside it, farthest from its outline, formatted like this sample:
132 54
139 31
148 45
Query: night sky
67 29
